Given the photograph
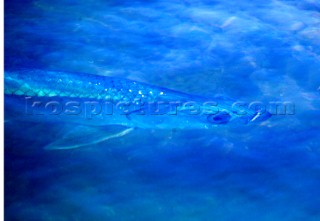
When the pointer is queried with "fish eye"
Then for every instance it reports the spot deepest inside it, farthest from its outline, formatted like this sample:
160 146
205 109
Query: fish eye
219 118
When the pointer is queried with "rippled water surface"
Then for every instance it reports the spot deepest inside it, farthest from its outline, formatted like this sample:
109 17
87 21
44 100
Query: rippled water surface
247 50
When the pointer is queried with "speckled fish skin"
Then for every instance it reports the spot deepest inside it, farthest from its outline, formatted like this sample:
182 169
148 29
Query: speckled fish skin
52 84
63 85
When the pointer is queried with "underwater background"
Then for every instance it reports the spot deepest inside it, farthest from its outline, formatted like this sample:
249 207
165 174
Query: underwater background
248 50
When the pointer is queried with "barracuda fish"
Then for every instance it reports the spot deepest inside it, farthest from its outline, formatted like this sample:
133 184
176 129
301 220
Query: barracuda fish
92 102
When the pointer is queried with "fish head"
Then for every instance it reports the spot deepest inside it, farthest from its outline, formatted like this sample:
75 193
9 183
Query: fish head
195 116
211 116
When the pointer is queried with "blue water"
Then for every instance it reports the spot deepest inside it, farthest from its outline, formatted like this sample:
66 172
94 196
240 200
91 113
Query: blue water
248 50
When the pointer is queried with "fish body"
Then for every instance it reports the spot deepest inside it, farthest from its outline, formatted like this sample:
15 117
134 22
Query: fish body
101 100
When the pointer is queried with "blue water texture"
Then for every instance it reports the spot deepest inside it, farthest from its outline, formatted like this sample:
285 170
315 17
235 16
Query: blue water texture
246 50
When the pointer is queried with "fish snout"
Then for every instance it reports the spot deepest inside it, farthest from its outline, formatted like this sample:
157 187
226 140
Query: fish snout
260 117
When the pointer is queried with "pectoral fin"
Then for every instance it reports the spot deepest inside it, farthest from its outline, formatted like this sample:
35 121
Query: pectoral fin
83 136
